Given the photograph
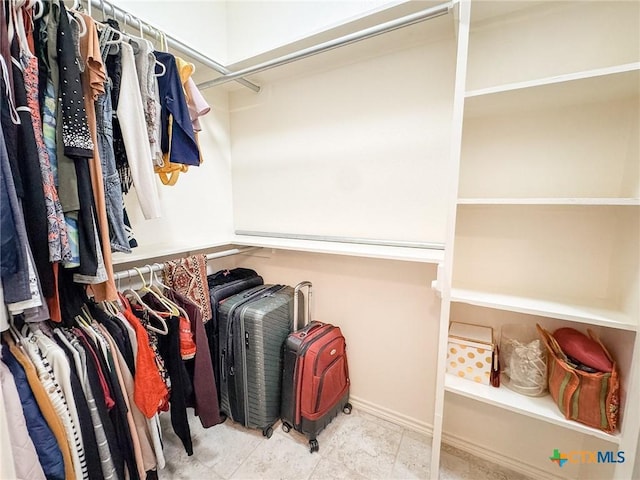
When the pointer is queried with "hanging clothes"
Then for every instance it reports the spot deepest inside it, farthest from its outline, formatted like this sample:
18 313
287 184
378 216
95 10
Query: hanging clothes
145 62
200 369
44 402
93 79
25 457
59 249
196 103
131 116
179 143
33 202
45 443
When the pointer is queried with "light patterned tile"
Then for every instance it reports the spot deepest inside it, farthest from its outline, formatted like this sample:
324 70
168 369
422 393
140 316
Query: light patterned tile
489 470
414 457
191 469
225 447
329 469
378 420
363 445
278 458
453 467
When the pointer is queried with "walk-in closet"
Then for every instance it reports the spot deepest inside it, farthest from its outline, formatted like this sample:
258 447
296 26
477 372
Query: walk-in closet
426 165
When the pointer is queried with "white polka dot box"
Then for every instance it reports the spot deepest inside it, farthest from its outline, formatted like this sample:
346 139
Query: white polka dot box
470 352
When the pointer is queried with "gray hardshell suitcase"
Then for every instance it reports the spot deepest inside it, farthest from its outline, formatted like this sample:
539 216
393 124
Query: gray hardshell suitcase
253 327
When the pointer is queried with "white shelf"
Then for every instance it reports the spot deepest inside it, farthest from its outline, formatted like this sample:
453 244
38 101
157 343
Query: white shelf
409 254
600 85
545 308
571 77
542 408
149 252
613 201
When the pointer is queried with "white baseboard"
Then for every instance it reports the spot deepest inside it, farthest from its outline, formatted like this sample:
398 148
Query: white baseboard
392 416
480 451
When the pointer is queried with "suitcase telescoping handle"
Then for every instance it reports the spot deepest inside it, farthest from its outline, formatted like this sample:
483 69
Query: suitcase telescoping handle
296 300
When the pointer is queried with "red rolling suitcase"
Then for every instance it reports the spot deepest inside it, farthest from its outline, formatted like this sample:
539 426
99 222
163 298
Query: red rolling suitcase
315 379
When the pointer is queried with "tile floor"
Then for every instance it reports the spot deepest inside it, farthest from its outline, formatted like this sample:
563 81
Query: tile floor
355 447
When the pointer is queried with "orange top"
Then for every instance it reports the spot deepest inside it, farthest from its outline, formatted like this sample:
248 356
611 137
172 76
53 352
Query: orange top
150 393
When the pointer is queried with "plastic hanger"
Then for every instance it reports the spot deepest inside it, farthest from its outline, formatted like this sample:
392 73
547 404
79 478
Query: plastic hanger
171 307
153 276
15 334
78 19
131 294
38 9
162 67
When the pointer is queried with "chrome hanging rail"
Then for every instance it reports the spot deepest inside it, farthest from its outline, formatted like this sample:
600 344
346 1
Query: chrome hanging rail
354 240
172 42
417 17
156 267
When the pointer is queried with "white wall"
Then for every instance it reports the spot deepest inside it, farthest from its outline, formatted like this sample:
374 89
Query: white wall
200 24
250 35
357 147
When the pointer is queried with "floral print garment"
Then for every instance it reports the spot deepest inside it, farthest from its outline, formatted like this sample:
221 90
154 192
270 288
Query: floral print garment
59 249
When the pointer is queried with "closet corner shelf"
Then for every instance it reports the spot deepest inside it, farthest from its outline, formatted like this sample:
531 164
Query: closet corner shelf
408 254
599 85
608 201
542 408
150 252
545 308
626 70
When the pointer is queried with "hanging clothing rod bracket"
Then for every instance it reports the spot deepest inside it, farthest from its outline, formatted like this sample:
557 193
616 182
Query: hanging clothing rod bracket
172 42
389 26
156 267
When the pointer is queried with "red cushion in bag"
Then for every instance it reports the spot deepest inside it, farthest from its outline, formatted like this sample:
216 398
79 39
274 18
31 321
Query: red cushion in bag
584 349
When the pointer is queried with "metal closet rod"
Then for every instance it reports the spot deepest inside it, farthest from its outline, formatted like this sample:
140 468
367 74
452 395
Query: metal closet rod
156 267
172 42
389 26
354 240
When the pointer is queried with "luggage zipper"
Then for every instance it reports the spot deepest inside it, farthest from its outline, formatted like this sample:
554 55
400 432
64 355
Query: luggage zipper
322 349
304 348
319 395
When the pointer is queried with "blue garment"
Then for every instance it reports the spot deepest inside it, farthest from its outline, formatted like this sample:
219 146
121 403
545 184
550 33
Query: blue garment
183 147
47 448
112 187
8 232
16 286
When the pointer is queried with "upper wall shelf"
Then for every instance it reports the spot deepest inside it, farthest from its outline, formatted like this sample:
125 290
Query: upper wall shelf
613 201
571 77
546 308
600 85
163 250
407 254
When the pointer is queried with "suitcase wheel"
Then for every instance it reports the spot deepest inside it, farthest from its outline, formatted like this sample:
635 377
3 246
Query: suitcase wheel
313 445
286 427
267 432
347 408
